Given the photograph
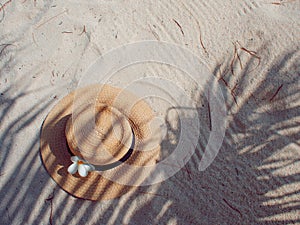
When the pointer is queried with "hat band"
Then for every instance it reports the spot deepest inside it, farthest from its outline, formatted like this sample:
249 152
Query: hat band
114 164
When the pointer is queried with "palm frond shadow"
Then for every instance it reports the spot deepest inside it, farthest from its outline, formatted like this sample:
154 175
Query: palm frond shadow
242 185
259 147
25 182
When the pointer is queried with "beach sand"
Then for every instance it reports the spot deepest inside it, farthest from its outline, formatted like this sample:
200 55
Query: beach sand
250 47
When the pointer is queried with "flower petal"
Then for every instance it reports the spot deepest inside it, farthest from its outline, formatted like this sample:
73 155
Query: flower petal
82 170
75 158
73 168
89 167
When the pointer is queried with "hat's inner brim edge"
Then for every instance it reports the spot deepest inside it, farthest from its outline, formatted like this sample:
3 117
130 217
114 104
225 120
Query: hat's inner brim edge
114 164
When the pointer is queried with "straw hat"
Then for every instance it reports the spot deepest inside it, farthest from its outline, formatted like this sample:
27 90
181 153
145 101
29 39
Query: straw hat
92 135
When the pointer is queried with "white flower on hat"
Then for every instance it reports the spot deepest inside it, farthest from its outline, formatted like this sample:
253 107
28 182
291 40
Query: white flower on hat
80 165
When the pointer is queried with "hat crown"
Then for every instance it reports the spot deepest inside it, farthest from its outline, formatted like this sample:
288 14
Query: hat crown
99 133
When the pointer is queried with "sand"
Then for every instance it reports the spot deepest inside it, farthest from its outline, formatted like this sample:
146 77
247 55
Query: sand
251 48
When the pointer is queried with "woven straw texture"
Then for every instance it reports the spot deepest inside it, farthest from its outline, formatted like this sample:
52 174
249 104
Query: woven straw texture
54 145
106 140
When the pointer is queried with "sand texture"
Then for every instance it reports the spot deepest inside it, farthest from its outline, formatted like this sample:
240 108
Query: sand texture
252 47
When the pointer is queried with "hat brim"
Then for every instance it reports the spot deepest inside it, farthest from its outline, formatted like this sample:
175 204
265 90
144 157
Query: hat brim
56 156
